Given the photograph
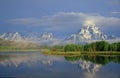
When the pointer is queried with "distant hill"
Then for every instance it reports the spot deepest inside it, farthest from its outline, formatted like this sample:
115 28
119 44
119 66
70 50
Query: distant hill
12 45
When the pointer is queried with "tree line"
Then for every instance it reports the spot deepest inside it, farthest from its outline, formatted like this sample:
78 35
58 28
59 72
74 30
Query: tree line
102 46
91 47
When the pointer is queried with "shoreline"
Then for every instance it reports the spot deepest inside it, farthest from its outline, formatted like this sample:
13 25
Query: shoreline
81 53
26 50
77 53
19 50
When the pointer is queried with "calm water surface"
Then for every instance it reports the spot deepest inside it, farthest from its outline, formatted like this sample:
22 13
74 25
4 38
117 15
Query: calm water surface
37 65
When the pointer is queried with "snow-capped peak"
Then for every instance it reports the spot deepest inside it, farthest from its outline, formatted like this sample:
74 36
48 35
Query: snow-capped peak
17 36
47 36
11 36
89 32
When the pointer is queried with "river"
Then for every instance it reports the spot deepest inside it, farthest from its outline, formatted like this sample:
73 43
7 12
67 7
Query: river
37 65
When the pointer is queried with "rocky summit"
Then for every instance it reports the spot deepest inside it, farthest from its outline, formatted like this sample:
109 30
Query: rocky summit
89 32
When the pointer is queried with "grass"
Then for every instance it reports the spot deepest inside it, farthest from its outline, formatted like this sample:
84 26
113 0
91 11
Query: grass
20 50
81 53
62 53
24 50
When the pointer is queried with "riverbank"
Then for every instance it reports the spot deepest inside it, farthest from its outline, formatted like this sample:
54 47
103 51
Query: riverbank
77 53
19 50
82 53
26 50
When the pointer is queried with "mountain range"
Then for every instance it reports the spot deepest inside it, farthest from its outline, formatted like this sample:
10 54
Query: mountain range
86 34
45 38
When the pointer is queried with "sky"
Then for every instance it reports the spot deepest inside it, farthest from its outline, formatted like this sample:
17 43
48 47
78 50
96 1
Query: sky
61 17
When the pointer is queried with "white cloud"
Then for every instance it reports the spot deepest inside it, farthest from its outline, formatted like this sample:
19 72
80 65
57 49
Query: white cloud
114 2
65 20
115 12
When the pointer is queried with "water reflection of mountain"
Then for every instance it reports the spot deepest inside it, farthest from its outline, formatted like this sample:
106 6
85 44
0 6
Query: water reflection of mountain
92 63
85 63
28 59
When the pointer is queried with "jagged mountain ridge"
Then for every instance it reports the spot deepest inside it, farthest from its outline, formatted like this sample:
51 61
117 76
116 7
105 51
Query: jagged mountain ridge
31 37
11 36
89 32
40 39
